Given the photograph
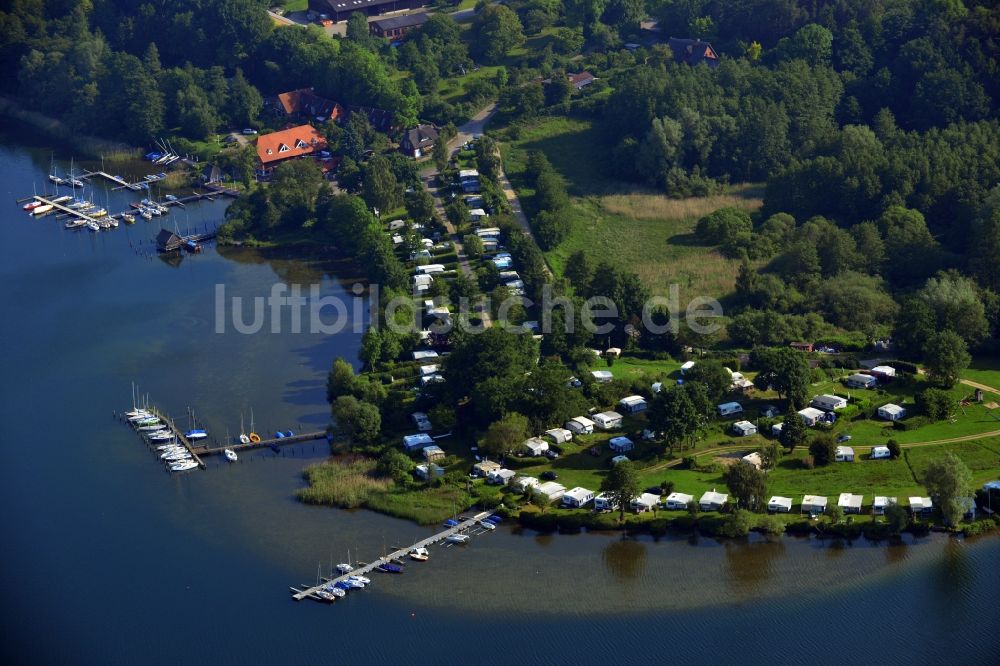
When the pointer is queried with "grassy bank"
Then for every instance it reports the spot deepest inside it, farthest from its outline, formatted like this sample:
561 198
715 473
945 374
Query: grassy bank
352 484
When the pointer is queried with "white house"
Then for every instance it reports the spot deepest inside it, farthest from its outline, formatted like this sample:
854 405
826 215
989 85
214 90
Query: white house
603 503
880 503
644 502
525 483
779 504
753 459
619 459
712 501
608 420
577 498
921 505
602 376
813 504
891 412
580 425
850 503
621 444
776 429
844 454
829 403
550 490
415 442
632 404
536 446
811 416
678 501
880 452
433 452
861 381
501 477
744 428
559 435
687 366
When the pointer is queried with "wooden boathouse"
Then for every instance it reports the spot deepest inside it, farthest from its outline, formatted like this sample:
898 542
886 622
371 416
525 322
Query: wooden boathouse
168 241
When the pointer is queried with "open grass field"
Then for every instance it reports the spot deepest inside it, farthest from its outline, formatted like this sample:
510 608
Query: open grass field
637 229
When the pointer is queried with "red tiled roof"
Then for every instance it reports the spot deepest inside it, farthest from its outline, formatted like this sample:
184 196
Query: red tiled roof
292 142
305 102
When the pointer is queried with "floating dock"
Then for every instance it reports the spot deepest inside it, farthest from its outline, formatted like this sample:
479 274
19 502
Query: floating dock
64 209
135 187
262 444
466 524
178 435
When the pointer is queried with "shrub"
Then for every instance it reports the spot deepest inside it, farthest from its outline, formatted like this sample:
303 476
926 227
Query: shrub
894 450
936 403
736 524
772 525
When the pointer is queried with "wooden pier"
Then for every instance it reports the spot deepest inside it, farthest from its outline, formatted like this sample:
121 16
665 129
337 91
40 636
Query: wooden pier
178 434
262 444
65 209
135 187
466 524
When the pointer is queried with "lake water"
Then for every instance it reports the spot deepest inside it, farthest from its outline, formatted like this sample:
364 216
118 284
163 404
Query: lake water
109 559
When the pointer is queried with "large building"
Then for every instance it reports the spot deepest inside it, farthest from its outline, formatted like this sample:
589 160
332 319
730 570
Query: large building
277 147
307 104
341 10
395 28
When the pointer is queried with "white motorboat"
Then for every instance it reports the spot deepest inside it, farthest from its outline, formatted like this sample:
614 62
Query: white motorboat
137 414
162 436
364 579
355 583
183 466
146 215
164 447
151 427
420 554
93 226
41 210
458 538
487 525
230 455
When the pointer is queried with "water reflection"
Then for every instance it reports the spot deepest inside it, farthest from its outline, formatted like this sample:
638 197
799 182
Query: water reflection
750 564
625 559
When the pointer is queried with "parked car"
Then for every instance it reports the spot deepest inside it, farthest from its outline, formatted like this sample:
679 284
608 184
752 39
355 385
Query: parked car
843 438
249 131
549 476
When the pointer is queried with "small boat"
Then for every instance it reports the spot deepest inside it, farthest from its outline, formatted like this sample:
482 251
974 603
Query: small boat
420 554
354 583
344 568
164 447
183 466
451 522
335 591
145 421
146 215
161 436
76 182
230 455
155 211
100 212
136 413
76 224
56 179
243 438
342 586
32 205
64 198
363 579
113 222
129 218
141 415
196 434
494 519
458 538
487 525
390 568
41 210
325 596
93 226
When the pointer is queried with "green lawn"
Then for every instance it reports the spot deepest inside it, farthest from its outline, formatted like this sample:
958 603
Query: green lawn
295 5
644 231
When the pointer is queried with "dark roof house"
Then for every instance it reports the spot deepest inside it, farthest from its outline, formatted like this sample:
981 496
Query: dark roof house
306 103
693 52
397 26
341 10
419 141
380 119
167 241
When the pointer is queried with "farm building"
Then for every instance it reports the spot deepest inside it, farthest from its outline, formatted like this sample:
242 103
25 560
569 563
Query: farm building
678 501
829 403
891 412
779 504
608 420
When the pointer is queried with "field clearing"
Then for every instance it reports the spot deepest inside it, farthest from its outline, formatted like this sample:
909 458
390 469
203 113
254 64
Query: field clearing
627 225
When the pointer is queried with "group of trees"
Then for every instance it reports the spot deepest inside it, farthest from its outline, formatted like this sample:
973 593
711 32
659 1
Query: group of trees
551 222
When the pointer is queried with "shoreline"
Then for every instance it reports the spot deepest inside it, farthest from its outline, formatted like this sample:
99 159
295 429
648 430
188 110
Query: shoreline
89 146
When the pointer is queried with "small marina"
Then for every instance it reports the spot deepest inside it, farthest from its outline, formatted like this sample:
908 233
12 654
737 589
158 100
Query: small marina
350 577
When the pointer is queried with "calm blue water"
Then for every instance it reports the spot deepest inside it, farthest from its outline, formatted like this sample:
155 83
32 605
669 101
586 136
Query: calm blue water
109 559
